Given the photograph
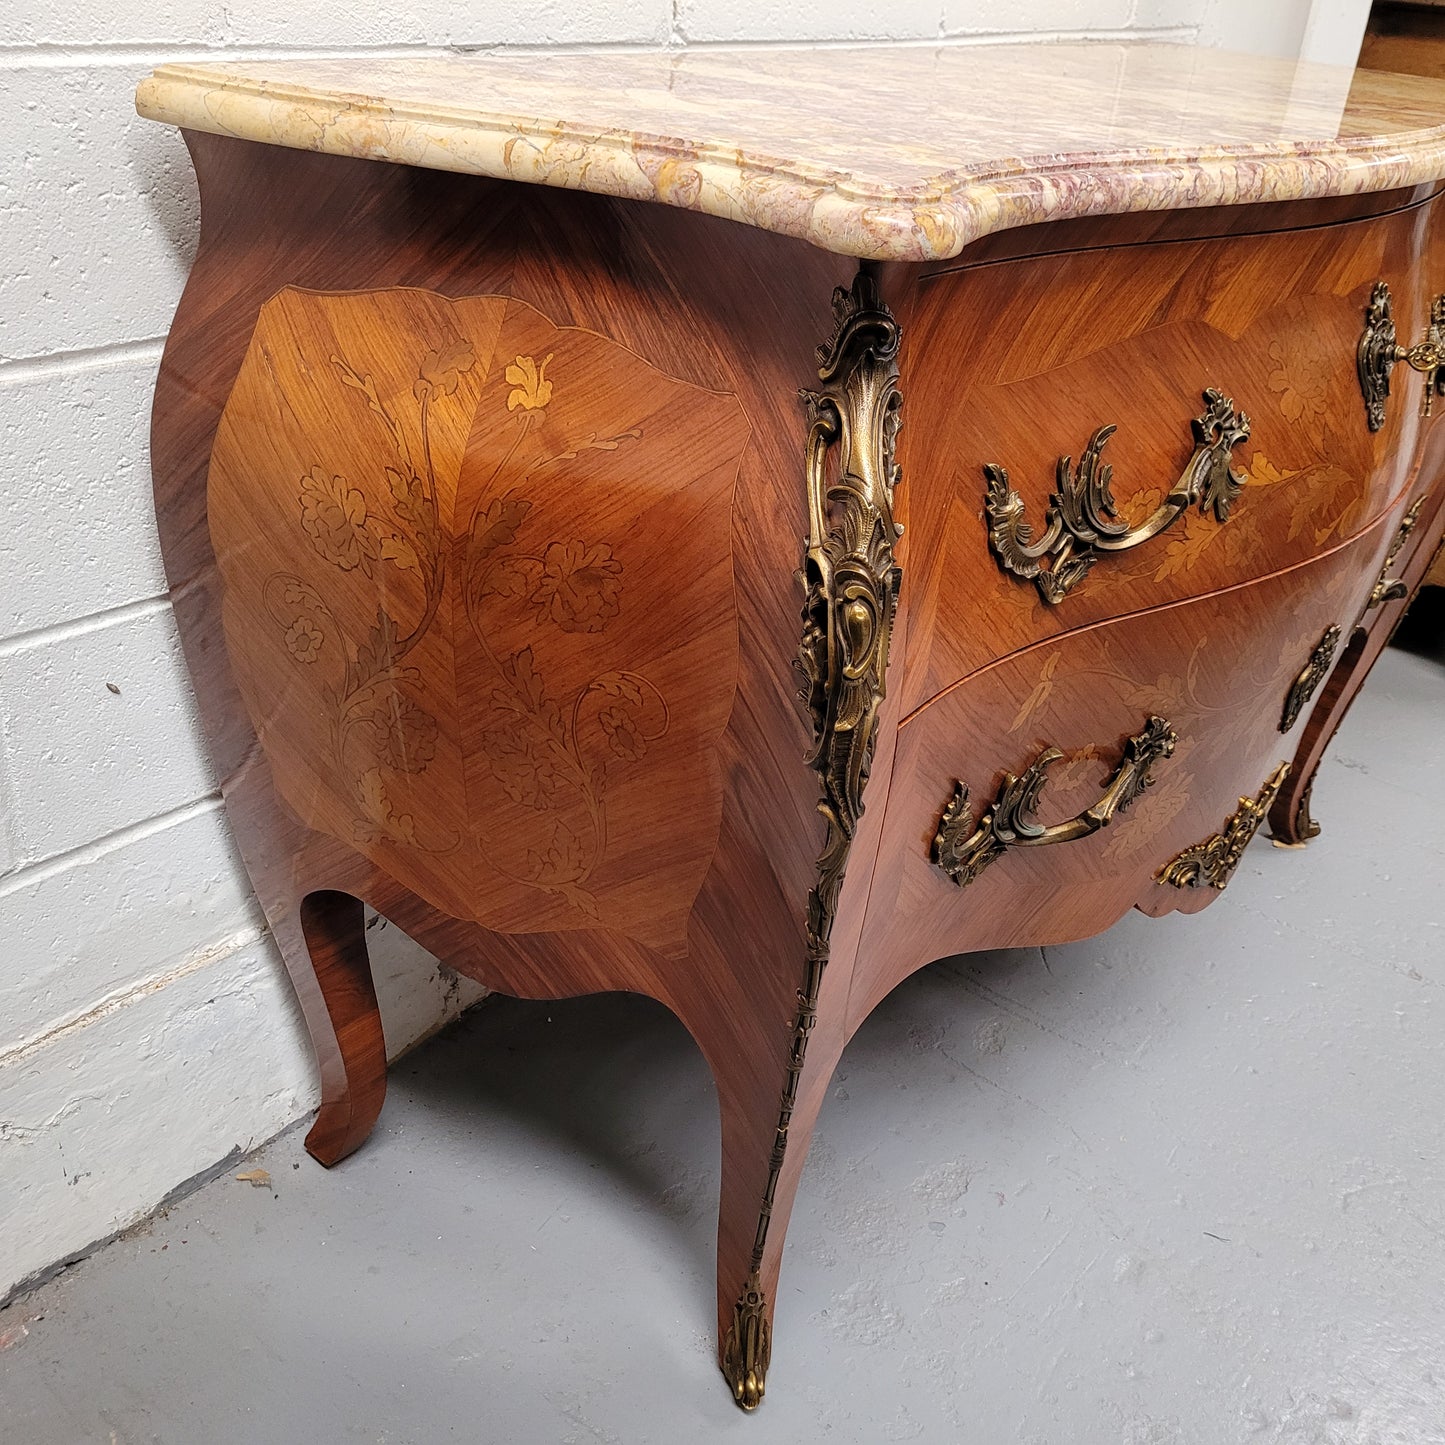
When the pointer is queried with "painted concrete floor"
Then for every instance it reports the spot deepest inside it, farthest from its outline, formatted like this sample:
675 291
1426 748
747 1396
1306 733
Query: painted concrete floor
1182 1183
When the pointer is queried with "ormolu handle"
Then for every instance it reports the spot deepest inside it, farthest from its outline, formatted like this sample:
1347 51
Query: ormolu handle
1082 521
964 849
1379 351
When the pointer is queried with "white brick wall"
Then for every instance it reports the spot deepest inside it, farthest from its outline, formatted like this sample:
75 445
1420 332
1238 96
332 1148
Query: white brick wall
146 1027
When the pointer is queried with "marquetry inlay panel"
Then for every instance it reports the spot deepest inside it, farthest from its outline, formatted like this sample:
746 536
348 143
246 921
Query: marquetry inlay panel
479 601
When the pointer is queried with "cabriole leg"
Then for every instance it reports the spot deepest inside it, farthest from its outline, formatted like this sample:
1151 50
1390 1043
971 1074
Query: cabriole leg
324 946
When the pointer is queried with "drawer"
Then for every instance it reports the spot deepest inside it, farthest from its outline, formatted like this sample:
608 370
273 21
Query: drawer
1217 670
1103 358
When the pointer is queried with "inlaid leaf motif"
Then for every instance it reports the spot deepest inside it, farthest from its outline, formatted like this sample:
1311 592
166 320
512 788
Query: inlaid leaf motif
406 487
590 443
416 509
379 650
381 815
498 525
1184 548
1264 473
1149 698
1040 695
619 684
526 693
563 858
366 385
396 548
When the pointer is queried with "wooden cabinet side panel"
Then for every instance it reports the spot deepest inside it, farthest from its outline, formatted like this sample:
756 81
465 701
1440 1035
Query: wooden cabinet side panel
727 311
386 287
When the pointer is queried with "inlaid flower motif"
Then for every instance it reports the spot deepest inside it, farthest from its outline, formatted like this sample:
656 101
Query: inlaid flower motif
1300 391
304 639
441 369
407 735
530 388
580 586
527 776
333 515
622 732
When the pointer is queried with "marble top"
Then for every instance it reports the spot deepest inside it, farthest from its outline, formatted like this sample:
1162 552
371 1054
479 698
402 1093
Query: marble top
885 152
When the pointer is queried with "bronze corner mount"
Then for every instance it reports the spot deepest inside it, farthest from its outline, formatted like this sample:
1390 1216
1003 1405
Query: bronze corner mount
1082 520
851 584
963 849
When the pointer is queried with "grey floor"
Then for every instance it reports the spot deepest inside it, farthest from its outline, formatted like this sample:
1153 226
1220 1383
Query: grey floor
1182 1183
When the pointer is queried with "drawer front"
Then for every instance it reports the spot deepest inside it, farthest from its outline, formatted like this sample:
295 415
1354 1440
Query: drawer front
1103 358
1222 674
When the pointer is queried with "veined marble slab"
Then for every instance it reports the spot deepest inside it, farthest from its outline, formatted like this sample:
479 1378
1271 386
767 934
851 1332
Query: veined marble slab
885 152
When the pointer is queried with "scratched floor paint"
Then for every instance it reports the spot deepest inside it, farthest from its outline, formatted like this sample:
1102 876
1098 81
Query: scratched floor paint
1182 1183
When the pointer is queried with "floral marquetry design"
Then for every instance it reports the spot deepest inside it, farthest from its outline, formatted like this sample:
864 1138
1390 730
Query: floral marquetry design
304 639
579 586
530 388
333 515
449 642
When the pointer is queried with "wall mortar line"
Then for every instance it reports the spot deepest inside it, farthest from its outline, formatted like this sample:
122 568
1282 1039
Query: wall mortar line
80 626
17 370
50 56
133 993
30 874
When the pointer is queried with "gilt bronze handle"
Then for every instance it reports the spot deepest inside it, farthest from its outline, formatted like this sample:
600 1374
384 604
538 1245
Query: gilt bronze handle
964 849
1082 521
1379 351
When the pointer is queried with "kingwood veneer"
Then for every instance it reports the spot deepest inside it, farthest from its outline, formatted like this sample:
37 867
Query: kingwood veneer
482 505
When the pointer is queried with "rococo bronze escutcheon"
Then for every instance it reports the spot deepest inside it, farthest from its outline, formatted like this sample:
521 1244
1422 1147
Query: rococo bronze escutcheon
1378 352
1314 672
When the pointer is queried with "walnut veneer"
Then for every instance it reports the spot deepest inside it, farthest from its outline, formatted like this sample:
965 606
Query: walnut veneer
486 507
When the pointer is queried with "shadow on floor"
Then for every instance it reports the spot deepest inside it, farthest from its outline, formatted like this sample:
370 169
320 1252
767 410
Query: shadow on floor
1422 630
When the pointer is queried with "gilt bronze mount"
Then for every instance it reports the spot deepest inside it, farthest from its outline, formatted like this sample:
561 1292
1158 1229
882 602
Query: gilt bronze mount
1211 864
963 849
1378 352
1082 520
850 582
1314 672
1387 588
